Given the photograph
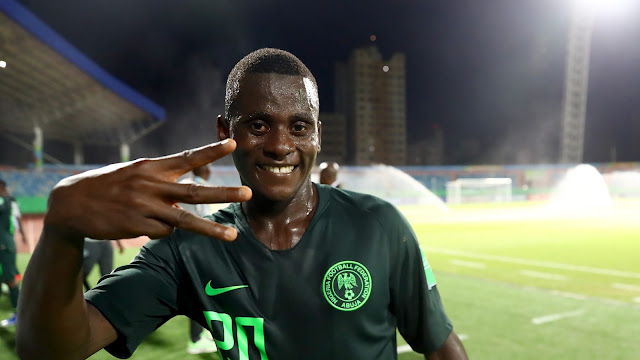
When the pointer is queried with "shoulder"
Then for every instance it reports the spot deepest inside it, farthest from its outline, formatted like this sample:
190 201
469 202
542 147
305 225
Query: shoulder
6 202
365 205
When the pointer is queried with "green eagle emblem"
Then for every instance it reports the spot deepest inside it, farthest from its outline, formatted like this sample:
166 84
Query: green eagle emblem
348 280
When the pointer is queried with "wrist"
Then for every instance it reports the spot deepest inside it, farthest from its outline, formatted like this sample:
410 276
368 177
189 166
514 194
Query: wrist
60 233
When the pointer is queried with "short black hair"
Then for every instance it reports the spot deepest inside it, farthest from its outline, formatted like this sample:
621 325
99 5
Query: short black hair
262 61
3 183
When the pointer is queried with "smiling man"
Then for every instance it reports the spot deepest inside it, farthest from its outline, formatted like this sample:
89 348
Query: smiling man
290 270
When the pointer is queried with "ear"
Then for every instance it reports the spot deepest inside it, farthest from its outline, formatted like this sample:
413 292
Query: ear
319 136
223 128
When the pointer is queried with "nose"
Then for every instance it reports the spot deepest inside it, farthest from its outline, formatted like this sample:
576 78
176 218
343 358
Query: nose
279 143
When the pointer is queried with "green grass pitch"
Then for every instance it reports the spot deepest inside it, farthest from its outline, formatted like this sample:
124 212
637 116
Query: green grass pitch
516 287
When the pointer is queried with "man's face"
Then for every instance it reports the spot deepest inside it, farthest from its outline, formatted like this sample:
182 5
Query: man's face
277 133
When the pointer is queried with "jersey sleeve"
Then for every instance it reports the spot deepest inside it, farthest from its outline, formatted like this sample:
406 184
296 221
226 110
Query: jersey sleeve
416 302
139 297
15 209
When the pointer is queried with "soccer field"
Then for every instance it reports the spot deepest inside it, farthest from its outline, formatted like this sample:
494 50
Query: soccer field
519 282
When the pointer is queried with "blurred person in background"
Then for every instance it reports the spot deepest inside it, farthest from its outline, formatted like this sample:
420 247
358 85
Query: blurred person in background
201 341
309 271
8 268
97 252
17 224
329 174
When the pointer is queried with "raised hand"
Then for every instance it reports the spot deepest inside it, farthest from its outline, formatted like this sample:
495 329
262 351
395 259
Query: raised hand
139 198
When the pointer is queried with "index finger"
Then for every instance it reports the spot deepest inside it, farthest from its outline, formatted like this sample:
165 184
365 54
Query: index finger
188 160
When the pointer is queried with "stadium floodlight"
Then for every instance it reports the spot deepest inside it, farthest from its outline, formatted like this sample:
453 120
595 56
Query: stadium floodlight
3 64
583 16
602 7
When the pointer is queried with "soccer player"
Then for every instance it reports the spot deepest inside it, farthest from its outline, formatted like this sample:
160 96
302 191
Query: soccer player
200 341
97 252
329 174
314 272
8 268
17 220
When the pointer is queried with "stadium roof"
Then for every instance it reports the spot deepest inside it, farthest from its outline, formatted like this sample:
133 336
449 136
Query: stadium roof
47 82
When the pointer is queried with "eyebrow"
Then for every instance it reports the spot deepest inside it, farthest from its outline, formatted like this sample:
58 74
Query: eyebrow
303 116
300 116
258 114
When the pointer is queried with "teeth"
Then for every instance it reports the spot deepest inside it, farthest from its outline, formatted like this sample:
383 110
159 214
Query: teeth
279 169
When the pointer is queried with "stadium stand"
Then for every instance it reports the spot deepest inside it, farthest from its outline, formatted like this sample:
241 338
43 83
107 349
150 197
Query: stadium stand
49 88
29 183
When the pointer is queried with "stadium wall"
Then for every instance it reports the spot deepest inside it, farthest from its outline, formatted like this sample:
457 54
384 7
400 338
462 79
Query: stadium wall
33 224
530 182
31 188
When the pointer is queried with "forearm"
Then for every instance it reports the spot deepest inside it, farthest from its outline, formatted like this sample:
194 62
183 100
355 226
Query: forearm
452 349
52 311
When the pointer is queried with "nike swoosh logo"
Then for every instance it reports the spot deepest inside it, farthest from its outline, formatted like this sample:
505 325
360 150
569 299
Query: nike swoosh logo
217 291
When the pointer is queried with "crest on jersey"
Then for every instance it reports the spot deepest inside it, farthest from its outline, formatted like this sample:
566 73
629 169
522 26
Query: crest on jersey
347 285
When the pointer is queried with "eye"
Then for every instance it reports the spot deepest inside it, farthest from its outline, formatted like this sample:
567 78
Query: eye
258 127
300 128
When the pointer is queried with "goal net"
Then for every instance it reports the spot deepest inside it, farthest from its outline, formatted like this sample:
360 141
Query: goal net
479 190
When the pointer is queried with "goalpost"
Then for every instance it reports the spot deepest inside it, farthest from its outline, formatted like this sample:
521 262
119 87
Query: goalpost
479 190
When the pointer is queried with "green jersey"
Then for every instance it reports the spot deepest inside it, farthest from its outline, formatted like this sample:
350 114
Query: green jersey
355 276
6 224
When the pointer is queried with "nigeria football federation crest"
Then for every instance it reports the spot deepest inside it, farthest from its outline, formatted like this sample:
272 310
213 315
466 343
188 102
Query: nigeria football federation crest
347 285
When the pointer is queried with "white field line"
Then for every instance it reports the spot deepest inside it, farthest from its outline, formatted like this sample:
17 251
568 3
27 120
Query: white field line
637 300
543 275
555 317
625 286
471 264
407 348
613 302
544 264
569 295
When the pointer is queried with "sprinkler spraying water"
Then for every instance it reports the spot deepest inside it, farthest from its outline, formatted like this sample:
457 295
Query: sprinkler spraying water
582 188
391 184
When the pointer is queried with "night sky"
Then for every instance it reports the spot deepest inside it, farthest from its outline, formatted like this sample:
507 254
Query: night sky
490 72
